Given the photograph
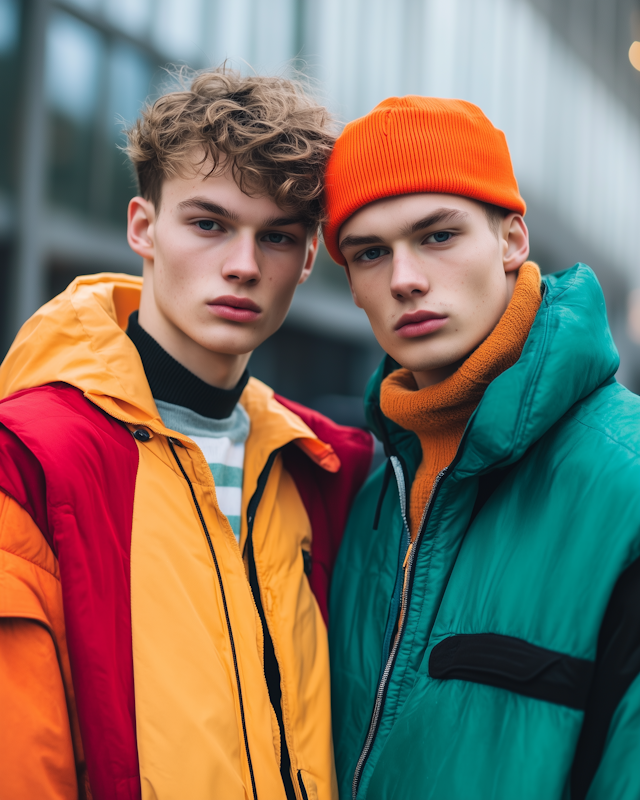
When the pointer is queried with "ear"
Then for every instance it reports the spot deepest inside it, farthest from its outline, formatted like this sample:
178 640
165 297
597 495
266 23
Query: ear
310 260
141 216
515 242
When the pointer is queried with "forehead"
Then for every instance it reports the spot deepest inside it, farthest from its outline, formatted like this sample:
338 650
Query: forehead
220 188
393 214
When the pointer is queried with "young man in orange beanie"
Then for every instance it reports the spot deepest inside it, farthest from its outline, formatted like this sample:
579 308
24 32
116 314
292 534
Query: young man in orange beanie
485 610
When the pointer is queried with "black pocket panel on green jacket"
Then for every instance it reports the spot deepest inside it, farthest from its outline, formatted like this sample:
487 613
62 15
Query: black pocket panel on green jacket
515 665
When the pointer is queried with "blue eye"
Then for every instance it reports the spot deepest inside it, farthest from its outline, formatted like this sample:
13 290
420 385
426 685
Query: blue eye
206 224
276 238
373 253
440 237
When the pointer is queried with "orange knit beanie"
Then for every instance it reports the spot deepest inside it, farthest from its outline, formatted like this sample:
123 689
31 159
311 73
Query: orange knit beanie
417 144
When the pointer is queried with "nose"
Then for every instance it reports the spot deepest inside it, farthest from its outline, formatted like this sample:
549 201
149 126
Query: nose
408 278
241 263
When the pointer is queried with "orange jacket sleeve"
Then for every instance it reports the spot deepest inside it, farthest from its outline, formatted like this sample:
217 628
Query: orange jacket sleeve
40 747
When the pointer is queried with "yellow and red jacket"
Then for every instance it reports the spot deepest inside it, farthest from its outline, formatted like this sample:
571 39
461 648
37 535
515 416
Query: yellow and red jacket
130 638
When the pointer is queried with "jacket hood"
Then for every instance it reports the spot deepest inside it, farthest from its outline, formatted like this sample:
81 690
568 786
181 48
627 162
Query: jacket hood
79 338
569 353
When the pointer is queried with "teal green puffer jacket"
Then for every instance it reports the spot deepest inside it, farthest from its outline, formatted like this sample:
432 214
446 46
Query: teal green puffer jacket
515 671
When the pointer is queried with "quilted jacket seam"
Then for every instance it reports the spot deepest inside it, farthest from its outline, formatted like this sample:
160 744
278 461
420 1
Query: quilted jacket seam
606 436
30 561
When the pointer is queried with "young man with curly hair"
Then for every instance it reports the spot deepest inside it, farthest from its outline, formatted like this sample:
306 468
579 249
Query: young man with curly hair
167 524
485 607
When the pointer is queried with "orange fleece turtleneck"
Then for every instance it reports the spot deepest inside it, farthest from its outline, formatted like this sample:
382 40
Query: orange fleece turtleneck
438 414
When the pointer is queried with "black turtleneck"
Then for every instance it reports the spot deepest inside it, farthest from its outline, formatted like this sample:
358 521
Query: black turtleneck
172 383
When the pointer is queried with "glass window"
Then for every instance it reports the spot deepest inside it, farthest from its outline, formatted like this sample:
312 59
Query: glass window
178 29
74 57
130 82
131 16
9 82
72 67
85 5
9 27
274 43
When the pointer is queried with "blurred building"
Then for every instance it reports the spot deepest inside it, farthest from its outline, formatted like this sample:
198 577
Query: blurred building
553 74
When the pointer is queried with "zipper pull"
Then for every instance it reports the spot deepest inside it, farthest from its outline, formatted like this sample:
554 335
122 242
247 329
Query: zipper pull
406 558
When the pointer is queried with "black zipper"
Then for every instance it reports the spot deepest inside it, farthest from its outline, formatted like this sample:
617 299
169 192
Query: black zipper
271 666
303 788
226 613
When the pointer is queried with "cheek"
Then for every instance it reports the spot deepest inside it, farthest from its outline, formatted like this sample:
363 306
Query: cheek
483 300
478 278
170 255
282 273
368 289
180 264
381 316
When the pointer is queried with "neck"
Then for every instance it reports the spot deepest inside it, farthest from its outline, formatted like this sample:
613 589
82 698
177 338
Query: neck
222 370
173 383
433 376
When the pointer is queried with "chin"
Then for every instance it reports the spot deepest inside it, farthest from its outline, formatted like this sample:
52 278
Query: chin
228 343
416 362
231 349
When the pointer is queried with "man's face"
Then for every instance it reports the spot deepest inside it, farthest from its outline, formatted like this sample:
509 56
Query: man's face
432 276
220 267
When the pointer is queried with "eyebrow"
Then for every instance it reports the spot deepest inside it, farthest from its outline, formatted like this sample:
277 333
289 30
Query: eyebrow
439 216
359 241
204 205
280 222
446 215
220 211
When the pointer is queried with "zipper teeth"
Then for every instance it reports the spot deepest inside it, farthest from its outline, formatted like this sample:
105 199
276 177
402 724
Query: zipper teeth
382 686
252 510
251 513
439 477
402 488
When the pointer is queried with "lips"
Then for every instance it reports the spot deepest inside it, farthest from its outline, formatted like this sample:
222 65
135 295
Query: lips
235 309
419 323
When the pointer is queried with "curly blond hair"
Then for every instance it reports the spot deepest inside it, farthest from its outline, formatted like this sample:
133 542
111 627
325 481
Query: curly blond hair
269 131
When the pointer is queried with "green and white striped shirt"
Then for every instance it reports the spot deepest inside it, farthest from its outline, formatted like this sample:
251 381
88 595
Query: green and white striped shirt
222 443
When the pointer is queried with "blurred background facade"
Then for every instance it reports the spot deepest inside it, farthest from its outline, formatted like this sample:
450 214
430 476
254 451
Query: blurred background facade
555 75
